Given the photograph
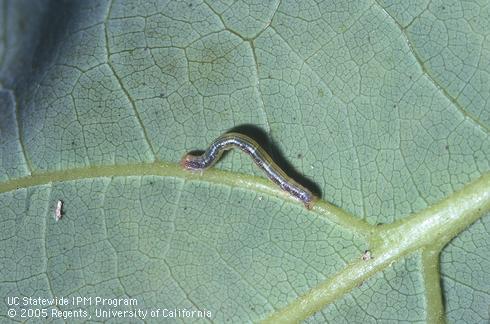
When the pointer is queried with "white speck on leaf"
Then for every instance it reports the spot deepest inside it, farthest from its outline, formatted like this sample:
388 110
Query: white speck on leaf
58 213
366 255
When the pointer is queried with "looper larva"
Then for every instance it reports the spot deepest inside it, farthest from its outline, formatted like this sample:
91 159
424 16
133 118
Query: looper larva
259 156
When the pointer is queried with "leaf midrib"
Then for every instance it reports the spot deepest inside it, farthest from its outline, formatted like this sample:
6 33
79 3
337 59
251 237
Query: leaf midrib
233 179
429 230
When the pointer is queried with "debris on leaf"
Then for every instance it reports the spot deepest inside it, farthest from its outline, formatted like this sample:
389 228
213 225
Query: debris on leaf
58 213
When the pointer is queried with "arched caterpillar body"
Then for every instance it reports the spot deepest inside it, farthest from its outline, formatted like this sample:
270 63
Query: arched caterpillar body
259 156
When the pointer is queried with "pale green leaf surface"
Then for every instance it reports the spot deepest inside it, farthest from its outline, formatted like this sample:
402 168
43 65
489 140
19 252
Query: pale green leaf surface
393 296
383 105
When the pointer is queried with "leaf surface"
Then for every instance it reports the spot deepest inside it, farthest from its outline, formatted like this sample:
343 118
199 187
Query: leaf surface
383 107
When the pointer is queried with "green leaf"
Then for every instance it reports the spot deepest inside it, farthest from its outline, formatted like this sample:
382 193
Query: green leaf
383 105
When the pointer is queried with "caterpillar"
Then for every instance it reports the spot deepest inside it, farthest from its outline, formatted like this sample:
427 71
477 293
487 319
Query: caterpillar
258 155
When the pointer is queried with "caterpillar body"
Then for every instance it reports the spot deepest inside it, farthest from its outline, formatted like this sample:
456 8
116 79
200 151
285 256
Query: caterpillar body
258 155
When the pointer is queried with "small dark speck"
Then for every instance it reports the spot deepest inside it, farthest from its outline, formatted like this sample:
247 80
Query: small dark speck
447 147
300 156
294 118
143 83
190 5
162 95
410 77
394 106
151 183
185 208
72 142
239 201
443 7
